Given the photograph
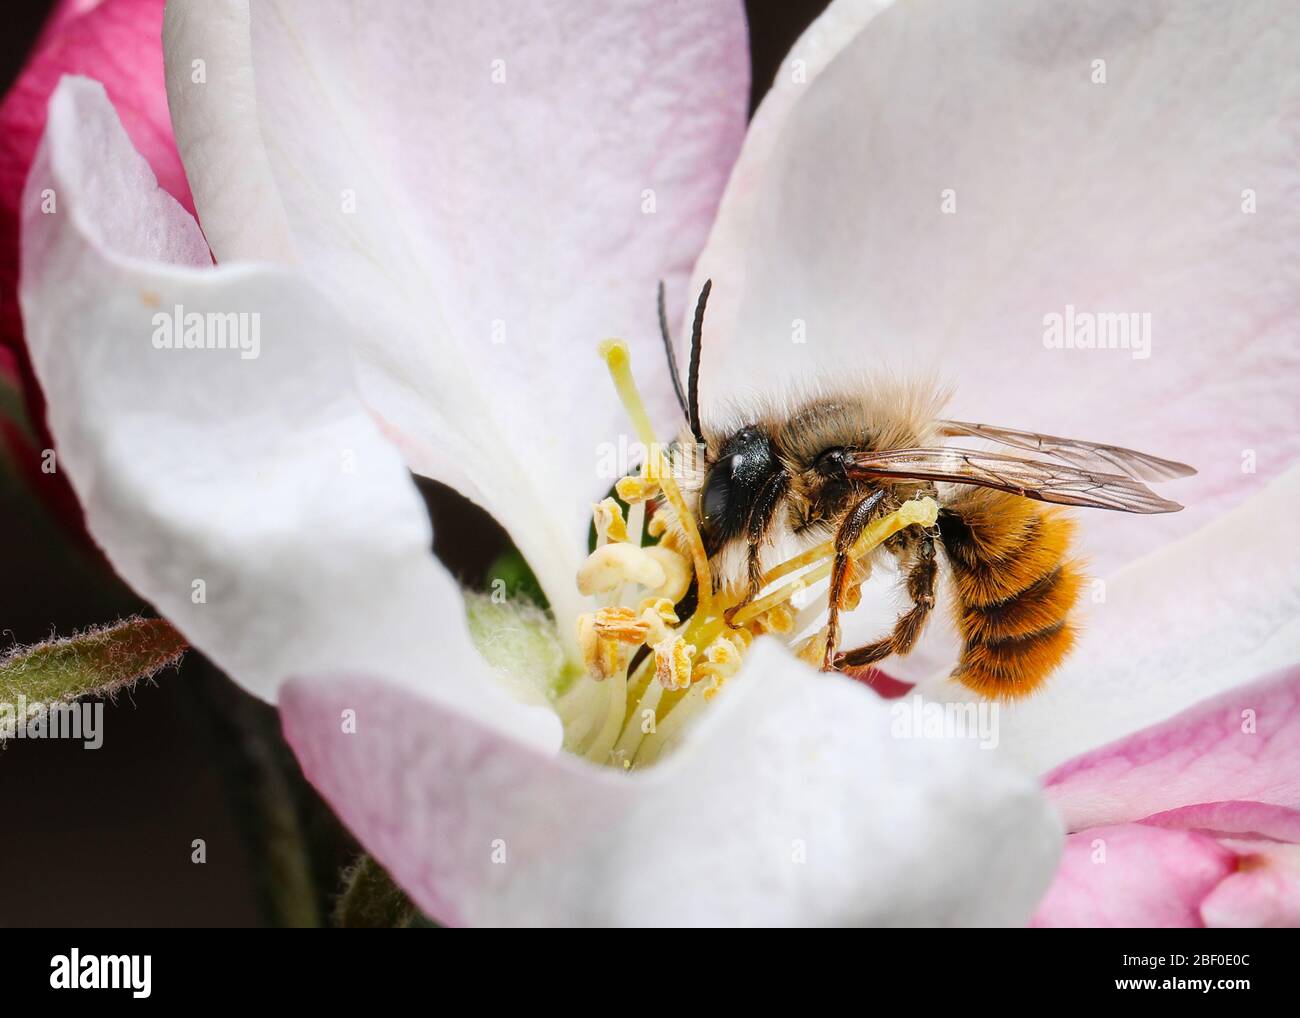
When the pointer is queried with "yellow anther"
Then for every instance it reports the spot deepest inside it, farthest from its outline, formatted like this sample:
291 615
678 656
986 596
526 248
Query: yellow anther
662 607
634 489
722 657
673 663
677 572
601 657
658 524
610 525
618 360
659 616
621 624
612 565
778 619
813 649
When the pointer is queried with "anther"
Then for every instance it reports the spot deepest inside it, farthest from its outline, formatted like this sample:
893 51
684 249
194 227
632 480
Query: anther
610 524
612 565
633 489
673 660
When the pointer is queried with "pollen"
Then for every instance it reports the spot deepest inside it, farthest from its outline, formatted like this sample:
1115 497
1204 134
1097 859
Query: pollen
651 672
634 490
603 657
659 616
609 521
673 663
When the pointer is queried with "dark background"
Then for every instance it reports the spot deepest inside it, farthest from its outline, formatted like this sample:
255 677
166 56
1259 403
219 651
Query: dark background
103 838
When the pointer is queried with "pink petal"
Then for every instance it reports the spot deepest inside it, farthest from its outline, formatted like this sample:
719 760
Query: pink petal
1236 821
1265 888
502 158
119 43
1131 875
788 803
1243 744
1265 891
1062 198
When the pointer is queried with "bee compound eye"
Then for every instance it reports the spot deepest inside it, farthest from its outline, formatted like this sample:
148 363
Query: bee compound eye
831 462
716 499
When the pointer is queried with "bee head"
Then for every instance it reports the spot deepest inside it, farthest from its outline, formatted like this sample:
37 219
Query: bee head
745 466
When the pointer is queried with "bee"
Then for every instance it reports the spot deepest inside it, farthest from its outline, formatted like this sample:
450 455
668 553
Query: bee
824 465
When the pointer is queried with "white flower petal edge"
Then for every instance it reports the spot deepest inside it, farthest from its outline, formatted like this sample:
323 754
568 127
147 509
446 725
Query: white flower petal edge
1129 196
790 804
489 189
732 233
1198 618
252 501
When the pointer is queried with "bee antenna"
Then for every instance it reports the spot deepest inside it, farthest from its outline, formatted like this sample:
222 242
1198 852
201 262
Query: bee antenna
693 376
672 357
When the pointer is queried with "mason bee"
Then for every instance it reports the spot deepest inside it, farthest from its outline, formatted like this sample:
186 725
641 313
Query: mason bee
824 465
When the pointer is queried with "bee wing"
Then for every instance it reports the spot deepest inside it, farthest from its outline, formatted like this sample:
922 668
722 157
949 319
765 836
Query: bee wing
1084 455
1042 481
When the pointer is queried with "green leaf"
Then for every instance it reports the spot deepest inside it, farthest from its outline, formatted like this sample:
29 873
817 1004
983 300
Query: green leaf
100 661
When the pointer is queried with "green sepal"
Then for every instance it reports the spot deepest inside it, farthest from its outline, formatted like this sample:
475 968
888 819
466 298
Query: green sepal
371 900
98 662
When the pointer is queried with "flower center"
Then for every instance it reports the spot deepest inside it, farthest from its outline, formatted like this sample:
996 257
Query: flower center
647 673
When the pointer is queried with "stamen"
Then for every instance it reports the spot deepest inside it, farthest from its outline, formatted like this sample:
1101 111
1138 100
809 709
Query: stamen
621 624
605 639
673 663
658 614
634 490
778 620
677 573
633 719
612 565
920 512
619 362
610 525
813 650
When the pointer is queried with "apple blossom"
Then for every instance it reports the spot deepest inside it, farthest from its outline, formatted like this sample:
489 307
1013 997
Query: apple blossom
1191 822
436 211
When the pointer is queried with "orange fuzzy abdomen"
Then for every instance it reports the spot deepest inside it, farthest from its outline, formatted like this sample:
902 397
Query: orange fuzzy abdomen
1016 588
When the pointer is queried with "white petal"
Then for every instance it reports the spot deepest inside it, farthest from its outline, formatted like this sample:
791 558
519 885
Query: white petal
251 500
790 804
1127 196
474 182
737 225
1197 618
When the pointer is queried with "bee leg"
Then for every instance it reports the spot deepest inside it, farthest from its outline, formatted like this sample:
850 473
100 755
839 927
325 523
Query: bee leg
920 588
846 537
760 518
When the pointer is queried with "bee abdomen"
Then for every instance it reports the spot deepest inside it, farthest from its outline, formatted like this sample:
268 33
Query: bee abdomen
1016 589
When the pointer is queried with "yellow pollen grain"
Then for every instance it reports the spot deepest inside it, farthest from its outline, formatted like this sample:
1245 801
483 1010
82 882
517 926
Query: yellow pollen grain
634 490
